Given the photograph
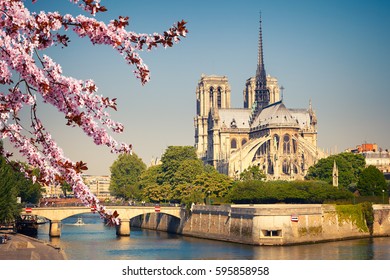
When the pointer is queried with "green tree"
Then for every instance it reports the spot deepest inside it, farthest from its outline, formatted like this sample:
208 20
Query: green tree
188 170
173 158
125 175
209 168
213 184
157 193
28 191
13 184
152 175
9 208
349 165
252 173
65 187
188 194
371 181
182 177
246 192
357 162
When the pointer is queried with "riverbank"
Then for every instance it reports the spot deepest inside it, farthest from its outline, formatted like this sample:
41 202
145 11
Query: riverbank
22 247
95 241
273 224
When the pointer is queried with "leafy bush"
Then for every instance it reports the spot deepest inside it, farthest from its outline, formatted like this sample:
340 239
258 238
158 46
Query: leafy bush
250 192
361 215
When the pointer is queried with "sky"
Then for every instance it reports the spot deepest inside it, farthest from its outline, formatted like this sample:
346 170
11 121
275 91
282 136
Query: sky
335 53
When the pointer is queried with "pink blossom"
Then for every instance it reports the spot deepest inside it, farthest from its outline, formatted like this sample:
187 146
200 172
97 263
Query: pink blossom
23 36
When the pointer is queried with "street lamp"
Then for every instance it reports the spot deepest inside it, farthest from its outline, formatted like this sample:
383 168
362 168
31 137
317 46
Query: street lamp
383 196
208 192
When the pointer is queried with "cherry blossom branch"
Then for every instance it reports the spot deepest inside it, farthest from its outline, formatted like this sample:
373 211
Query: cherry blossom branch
23 35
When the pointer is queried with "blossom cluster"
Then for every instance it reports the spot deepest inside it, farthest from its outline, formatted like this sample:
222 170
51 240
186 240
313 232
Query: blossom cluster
23 37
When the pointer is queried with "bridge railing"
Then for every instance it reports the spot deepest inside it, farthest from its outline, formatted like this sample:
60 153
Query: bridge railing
74 204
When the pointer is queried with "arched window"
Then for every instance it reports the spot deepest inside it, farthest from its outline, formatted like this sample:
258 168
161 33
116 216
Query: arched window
286 144
233 144
270 167
243 142
286 167
211 97
295 166
276 142
294 145
219 97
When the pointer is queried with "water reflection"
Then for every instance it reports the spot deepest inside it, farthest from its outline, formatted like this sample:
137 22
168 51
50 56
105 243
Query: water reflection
97 242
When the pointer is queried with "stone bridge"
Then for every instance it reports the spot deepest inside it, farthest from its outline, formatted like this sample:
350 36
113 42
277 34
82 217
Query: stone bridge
56 214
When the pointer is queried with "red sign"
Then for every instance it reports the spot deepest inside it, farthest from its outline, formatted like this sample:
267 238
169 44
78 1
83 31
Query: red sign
294 218
157 209
28 210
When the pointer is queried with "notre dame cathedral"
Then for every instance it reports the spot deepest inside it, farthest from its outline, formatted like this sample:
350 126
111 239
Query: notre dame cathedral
280 140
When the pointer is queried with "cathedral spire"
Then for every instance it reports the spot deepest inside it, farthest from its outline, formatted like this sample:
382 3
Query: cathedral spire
261 91
260 57
335 175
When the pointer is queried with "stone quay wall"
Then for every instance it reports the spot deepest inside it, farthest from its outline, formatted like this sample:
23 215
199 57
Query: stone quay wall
271 224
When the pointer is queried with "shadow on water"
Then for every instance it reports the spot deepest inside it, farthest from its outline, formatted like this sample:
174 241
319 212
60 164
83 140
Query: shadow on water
95 241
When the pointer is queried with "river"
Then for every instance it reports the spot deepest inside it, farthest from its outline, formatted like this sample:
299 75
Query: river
94 241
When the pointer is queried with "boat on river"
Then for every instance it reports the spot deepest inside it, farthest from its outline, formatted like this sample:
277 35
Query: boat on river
27 224
41 220
79 222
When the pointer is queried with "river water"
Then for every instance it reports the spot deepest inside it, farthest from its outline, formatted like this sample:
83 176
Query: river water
94 241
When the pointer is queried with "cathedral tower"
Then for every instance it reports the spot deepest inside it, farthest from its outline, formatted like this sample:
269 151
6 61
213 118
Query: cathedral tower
212 94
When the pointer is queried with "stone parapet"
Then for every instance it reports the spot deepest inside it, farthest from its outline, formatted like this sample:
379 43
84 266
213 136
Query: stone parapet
270 224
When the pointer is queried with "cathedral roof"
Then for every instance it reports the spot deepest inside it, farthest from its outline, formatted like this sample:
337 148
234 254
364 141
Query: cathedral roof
302 116
235 118
275 115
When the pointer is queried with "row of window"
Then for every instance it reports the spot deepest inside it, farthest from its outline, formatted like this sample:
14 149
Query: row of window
289 144
219 96
233 143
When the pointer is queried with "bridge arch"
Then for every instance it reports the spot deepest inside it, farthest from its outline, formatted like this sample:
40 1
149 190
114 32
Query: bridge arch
57 214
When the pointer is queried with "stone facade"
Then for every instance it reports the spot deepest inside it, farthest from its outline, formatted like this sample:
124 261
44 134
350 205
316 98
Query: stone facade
99 185
277 224
281 141
380 160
